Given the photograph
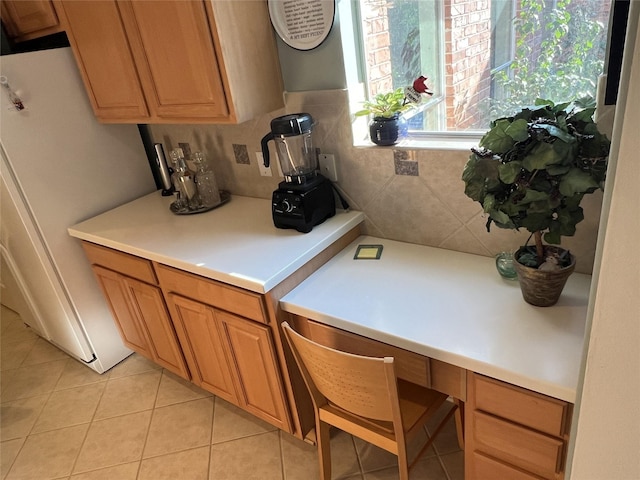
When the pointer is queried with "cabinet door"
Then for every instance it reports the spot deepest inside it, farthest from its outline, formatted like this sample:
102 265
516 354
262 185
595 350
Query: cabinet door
174 49
199 335
26 19
150 308
131 330
100 44
254 360
142 319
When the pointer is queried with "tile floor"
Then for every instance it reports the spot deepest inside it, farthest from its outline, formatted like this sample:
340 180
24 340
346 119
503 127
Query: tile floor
61 420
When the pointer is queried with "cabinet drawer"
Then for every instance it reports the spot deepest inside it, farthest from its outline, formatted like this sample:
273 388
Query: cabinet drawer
409 366
531 409
224 297
532 451
130 265
485 468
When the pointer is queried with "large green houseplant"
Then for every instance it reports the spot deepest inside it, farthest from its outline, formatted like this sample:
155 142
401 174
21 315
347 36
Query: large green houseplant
532 170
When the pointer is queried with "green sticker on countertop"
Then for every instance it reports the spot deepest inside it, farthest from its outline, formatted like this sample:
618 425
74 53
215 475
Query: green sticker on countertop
368 252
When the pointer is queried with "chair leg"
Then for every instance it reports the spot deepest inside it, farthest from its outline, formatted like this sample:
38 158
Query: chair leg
403 462
323 440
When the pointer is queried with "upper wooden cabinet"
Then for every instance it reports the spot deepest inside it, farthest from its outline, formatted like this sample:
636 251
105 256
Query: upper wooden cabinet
29 19
173 61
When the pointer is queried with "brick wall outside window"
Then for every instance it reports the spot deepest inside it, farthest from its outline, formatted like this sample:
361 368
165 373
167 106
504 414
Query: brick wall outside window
467 61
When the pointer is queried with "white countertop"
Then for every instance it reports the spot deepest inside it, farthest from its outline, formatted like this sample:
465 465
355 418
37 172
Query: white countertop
453 307
236 243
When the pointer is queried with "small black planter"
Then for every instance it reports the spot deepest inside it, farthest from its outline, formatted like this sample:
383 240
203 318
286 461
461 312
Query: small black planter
385 131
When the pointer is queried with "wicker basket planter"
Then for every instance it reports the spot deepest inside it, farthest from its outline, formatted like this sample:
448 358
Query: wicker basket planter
539 287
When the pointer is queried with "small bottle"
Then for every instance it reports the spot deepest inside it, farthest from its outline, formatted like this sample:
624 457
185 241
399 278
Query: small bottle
184 182
205 181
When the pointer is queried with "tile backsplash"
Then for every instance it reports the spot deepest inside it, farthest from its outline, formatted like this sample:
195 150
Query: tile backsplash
416 196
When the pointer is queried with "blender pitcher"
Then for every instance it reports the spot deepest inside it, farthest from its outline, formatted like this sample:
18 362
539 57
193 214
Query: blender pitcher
292 136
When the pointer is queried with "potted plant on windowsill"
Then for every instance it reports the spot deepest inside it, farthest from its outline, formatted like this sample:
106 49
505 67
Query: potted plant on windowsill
388 125
531 171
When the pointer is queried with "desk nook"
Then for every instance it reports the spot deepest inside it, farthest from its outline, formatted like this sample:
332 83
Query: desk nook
454 325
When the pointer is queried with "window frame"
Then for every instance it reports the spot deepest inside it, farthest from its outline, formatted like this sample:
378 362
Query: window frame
353 45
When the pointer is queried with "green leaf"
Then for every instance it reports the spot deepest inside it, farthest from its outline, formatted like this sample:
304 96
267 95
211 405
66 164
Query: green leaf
576 181
566 151
540 156
552 238
536 221
528 259
501 219
508 172
480 175
518 130
573 202
497 140
565 223
489 202
558 169
533 196
556 132
585 115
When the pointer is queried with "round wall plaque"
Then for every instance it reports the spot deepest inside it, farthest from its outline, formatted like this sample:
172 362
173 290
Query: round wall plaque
302 24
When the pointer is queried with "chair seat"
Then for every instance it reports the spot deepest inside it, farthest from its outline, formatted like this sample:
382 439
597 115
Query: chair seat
417 404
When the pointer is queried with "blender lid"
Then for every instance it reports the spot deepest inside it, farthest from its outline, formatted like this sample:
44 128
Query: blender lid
294 124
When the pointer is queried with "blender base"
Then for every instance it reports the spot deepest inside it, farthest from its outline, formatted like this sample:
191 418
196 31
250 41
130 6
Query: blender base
301 207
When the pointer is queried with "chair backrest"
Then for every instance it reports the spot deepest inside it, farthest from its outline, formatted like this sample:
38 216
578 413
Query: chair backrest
365 386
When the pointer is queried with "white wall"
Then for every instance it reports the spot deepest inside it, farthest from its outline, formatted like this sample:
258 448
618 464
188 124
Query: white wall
607 432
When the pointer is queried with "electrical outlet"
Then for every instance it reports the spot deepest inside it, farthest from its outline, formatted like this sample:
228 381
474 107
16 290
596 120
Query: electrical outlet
264 171
327 164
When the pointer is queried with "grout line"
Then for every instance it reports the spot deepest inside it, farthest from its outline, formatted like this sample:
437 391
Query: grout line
75 461
442 465
213 420
282 474
358 459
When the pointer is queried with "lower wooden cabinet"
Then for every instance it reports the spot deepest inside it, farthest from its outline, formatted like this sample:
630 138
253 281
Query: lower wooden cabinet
255 367
216 335
232 357
202 344
513 433
141 316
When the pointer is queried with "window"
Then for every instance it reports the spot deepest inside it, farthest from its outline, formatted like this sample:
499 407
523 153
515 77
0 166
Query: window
484 58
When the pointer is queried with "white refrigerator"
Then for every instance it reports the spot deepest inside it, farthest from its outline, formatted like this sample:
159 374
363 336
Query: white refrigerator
60 166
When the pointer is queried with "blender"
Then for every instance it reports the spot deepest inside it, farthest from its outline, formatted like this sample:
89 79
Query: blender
305 198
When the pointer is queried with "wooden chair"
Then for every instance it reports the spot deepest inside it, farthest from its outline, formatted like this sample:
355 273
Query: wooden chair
362 396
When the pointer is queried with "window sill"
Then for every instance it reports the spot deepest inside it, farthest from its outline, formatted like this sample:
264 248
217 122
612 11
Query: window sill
422 141
435 143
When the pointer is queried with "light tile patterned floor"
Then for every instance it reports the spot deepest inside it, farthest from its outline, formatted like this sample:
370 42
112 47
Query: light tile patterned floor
61 420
